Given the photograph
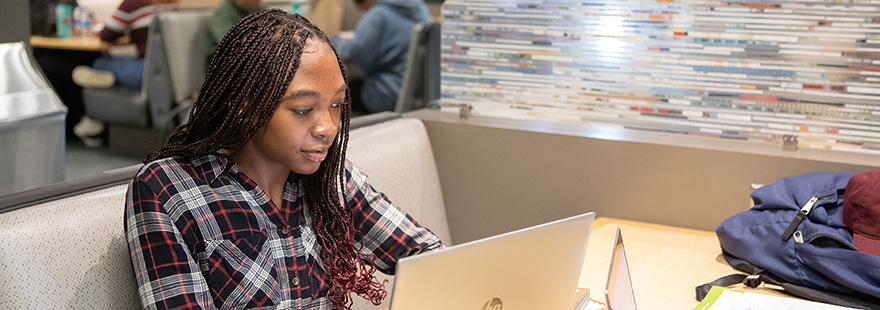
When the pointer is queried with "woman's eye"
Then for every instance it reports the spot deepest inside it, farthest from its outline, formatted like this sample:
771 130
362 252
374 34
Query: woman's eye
338 104
302 112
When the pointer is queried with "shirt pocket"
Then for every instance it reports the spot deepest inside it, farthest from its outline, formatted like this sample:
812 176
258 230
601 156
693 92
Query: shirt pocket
240 272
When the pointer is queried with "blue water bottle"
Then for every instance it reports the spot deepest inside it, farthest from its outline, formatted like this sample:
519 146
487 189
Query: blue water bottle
63 20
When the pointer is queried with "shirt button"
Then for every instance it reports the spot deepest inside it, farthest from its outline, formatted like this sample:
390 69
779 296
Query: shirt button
294 281
285 230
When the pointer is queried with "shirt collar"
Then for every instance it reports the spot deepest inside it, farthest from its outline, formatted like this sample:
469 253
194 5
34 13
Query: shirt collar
294 185
212 166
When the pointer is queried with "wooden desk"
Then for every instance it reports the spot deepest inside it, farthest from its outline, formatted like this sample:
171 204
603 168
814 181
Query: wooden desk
89 44
666 263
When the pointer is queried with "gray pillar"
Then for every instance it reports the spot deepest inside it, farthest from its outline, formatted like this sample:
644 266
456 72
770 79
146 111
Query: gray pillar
15 23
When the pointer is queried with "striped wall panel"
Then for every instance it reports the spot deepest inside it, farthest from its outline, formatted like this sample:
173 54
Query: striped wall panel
733 70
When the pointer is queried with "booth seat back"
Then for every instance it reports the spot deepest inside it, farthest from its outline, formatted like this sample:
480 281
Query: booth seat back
68 252
63 246
398 158
399 161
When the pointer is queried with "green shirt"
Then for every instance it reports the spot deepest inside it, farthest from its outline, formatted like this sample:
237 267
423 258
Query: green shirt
225 16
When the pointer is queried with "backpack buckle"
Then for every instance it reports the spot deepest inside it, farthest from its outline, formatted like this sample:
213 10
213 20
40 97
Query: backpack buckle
752 280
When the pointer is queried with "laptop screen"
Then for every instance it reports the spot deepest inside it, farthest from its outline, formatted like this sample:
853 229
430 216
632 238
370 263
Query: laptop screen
619 291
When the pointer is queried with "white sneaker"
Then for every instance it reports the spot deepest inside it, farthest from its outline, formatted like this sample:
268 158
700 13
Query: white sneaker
85 76
89 131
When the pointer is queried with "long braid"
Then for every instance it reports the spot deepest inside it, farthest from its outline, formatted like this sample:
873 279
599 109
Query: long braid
248 74
334 225
223 117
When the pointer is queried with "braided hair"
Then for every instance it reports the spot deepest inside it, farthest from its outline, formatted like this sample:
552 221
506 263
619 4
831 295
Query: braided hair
247 77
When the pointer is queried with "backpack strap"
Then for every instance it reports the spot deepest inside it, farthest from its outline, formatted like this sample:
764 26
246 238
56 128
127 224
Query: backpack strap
725 281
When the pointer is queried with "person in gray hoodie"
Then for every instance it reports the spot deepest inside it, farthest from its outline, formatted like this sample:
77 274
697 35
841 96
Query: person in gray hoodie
379 47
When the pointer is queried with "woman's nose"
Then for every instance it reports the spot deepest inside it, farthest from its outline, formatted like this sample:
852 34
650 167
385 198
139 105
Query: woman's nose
325 126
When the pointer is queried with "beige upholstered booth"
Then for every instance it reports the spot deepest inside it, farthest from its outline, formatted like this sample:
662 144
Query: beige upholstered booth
63 246
67 250
398 158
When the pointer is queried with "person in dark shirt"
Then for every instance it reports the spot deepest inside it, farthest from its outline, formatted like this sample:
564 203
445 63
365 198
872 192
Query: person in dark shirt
132 18
379 47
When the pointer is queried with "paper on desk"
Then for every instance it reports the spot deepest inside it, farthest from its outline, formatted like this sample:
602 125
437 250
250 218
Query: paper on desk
720 298
583 301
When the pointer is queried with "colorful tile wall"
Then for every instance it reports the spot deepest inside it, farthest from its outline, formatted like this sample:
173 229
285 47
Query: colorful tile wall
734 70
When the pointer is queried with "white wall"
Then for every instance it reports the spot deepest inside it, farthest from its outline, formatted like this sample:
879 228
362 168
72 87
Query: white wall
499 175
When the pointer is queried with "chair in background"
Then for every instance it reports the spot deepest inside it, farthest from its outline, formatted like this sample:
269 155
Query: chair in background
178 47
421 80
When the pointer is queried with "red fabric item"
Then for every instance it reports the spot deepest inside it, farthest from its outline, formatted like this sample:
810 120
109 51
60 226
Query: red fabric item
861 211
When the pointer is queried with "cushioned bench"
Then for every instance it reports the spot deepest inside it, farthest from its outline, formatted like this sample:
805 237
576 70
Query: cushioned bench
63 245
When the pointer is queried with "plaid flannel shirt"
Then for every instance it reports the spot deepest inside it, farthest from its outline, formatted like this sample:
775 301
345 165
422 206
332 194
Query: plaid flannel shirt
203 235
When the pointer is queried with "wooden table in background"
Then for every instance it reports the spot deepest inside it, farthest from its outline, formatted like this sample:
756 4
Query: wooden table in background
666 263
88 44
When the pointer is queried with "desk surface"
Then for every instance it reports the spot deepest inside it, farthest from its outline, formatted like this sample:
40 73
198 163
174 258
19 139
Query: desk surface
92 44
666 263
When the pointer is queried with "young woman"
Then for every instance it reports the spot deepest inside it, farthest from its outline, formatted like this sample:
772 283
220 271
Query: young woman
252 203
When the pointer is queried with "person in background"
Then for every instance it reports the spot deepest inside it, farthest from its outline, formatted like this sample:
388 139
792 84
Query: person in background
379 47
229 12
252 203
132 18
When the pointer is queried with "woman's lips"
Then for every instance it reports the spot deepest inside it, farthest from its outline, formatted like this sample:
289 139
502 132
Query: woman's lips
317 155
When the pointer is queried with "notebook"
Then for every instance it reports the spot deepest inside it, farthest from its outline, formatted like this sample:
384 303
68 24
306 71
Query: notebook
619 293
532 268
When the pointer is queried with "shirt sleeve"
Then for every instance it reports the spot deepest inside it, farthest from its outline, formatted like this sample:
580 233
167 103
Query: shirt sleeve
167 275
118 23
361 48
388 233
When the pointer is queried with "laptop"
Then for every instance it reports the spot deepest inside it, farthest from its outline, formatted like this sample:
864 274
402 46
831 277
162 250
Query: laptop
619 293
532 268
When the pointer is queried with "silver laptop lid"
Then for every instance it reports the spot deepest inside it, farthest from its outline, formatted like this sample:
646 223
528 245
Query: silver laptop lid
619 293
532 268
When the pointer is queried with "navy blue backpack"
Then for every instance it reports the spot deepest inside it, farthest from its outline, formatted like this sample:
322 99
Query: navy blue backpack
794 237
